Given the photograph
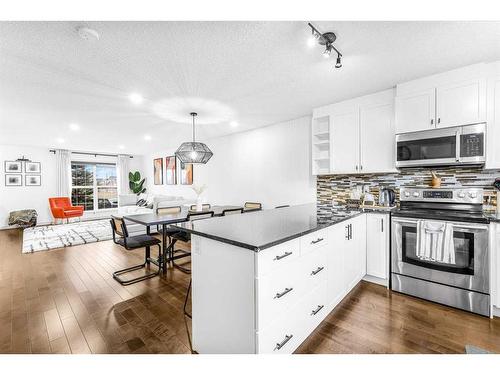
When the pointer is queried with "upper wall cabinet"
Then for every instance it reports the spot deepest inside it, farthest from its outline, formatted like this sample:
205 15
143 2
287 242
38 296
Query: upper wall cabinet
415 111
361 135
449 99
493 116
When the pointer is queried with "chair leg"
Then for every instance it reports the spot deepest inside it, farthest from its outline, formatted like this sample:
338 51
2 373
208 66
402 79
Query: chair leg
186 299
181 268
116 274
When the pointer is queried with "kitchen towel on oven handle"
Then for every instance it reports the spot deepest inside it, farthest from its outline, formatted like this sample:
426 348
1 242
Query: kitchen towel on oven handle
430 239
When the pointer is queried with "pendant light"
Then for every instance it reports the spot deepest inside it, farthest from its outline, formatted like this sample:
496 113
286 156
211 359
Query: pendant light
193 152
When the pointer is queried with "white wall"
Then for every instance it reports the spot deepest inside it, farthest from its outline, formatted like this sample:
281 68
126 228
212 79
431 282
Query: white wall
25 197
269 165
36 197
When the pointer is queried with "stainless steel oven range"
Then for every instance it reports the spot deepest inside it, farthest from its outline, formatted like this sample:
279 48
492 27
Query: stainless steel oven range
440 247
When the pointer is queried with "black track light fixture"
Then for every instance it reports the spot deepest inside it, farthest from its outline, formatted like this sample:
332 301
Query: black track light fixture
338 64
325 39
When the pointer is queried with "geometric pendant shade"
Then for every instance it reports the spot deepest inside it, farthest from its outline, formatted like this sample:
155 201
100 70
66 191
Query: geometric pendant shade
193 152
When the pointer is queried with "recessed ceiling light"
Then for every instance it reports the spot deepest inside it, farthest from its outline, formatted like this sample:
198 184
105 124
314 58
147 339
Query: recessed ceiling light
74 127
147 137
136 98
60 140
234 124
121 147
86 33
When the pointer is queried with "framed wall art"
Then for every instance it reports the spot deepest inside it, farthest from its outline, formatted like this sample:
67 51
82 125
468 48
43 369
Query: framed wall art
32 167
158 171
13 180
13 167
33 180
186 174
171 170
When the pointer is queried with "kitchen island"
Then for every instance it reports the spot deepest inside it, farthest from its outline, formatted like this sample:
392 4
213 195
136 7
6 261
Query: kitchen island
263 281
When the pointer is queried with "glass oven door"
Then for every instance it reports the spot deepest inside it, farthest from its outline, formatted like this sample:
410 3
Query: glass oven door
450 253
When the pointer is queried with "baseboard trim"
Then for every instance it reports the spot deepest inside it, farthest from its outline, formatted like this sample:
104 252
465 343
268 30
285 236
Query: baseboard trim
376 280
496 311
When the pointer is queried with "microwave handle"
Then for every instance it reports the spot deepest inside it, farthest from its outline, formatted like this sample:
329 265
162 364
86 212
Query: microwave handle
457 145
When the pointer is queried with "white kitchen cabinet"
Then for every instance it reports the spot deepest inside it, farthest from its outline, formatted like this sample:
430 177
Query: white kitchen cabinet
361 135
345 142
336 287
496 267
355 257
461 103
453 98
377 142
415 111
346 257
493 117
377 246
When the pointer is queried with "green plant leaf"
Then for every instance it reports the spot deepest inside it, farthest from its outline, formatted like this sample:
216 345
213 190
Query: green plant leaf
137 176
130 176
131 185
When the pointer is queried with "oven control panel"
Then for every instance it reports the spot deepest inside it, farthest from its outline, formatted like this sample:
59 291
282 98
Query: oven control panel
444 195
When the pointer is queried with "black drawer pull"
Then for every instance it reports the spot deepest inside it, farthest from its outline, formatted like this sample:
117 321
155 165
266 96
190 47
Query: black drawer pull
316 241
314 312
286 291
317 270
279 257
283 343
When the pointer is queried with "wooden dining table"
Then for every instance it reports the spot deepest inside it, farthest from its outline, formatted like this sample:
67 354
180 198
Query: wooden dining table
163 220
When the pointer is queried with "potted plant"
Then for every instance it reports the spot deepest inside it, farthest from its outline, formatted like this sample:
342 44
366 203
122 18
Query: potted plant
135 183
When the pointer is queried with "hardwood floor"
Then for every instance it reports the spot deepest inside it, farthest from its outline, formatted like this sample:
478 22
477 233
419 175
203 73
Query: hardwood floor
66 301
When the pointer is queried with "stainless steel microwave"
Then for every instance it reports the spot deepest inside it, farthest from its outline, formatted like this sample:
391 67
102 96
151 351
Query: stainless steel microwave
446 146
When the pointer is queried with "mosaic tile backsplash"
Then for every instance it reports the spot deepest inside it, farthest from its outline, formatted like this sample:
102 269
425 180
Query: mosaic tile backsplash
337 188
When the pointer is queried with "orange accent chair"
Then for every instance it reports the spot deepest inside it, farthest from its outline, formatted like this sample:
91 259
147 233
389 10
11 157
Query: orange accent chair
61 208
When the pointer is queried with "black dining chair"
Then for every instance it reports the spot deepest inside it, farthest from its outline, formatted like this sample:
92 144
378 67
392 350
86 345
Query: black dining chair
119 228
232 211
204 207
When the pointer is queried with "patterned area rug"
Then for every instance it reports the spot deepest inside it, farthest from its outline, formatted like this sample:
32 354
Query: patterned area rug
63 235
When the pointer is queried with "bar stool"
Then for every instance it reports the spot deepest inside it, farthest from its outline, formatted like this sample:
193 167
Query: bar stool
252 206
232 211
169 231
185 237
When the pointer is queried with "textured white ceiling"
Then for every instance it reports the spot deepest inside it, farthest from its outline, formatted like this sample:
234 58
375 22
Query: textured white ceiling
257 73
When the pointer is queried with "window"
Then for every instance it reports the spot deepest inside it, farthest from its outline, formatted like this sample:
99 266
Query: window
94 186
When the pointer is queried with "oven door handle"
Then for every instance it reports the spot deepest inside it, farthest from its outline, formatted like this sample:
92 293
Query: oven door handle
470 227
407 221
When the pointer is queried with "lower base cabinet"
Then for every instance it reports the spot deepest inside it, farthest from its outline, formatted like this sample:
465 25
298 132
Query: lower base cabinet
377 246
271 301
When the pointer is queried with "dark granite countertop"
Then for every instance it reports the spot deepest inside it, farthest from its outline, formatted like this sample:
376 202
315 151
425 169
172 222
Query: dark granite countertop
492 216
260 230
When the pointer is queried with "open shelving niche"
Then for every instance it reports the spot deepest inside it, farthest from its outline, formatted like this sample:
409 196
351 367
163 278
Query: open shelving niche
321 145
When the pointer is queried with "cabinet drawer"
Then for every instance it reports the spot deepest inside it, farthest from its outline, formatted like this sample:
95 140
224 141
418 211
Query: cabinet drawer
314 268
283 336
269 260
313 309
313 241
279 292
